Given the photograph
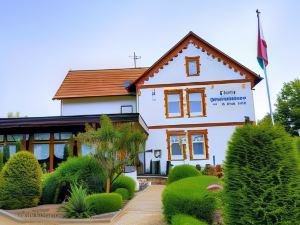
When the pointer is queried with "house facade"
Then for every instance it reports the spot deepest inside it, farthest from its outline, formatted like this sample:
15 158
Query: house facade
189 103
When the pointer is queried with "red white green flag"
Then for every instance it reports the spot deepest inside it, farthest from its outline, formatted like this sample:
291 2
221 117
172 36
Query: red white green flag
262 56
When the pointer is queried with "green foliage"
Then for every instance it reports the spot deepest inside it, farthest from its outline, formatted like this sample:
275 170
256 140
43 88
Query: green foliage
288 106
115 147
18 145
1 161
66 153
123 192
182 171
182 219
124 182
76 206
261 177
6 153
104 202
83 171
190 196
20 182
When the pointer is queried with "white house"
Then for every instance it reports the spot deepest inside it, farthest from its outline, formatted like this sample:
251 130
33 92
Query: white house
189 102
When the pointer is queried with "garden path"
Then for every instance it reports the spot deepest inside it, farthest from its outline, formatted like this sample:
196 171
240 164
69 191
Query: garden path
144 209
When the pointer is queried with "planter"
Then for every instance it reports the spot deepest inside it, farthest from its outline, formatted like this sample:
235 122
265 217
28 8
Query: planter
130 171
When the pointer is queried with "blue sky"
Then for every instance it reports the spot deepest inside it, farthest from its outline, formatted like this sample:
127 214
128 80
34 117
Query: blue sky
41 40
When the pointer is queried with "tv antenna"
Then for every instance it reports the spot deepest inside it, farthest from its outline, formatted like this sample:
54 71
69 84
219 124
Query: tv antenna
135 57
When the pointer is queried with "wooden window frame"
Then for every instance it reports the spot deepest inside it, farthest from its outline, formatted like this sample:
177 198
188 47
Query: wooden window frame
191 59
175 91
179 133
203 95
190 142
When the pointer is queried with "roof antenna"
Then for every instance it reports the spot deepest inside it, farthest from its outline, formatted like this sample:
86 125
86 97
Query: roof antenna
135 57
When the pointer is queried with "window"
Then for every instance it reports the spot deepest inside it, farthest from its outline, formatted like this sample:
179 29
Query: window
15 137
42 136
1 138
62 136
174 103
195 99
126 109
176 145
87 150
198 144
192 65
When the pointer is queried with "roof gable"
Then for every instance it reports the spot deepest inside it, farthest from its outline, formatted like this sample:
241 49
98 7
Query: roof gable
205 47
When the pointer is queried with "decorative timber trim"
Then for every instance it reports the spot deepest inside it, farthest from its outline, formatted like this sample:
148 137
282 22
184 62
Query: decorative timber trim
191 59
195 83
205 47
177 91
203 101
199 125
179 133
192 132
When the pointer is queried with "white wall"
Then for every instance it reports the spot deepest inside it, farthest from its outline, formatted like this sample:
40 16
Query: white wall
217 145
100 105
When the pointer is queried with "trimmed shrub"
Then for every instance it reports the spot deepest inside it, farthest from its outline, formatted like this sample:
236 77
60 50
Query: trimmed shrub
20 182
104 202
124 182
261 177
182 171
123 192
190 196
84 171
76 207
182 219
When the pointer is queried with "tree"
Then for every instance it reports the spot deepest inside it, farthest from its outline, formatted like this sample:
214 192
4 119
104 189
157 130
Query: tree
12 115
115 147
288 107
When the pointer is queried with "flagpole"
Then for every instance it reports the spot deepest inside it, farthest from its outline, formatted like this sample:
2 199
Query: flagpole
268 92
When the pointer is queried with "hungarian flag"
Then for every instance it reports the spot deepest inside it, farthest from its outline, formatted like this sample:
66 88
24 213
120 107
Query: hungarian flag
262 56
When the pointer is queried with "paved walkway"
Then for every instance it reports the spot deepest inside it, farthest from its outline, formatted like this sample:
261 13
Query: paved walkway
144 209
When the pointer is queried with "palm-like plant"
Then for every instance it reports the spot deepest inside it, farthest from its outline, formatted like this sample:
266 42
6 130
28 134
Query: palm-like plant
76 206
116 147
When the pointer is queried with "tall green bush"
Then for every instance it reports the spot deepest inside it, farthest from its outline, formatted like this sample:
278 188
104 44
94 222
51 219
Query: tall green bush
84 171
124 182
182 171
20 182
261 177
6 153
190 196
182 219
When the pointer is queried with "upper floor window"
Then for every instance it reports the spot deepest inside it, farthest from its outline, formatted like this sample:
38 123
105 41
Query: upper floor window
195 99
198 144
174 103
192 65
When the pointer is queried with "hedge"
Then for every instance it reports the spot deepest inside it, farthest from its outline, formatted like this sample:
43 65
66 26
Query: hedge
124 182
261 177
182 219
20 182
182 171
104 202
190 196
123 192
84 171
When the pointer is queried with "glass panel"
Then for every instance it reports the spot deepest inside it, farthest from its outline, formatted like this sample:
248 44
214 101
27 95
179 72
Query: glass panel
59 150
65 135
174 103
42 136
41 151
1 148
12 150
14 137
197 138
195 102
56 136
192 67
198 148
175 147
1 138
86 150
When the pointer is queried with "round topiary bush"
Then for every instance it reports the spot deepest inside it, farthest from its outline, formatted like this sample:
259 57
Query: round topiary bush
84 171
20 182
182 219
261 177
124 182
182 171
190 196
104 202
123 192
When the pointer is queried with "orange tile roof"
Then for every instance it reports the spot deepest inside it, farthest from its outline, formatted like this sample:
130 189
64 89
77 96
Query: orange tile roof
97 83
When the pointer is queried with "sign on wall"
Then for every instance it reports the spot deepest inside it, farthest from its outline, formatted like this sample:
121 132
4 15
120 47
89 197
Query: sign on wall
228 97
